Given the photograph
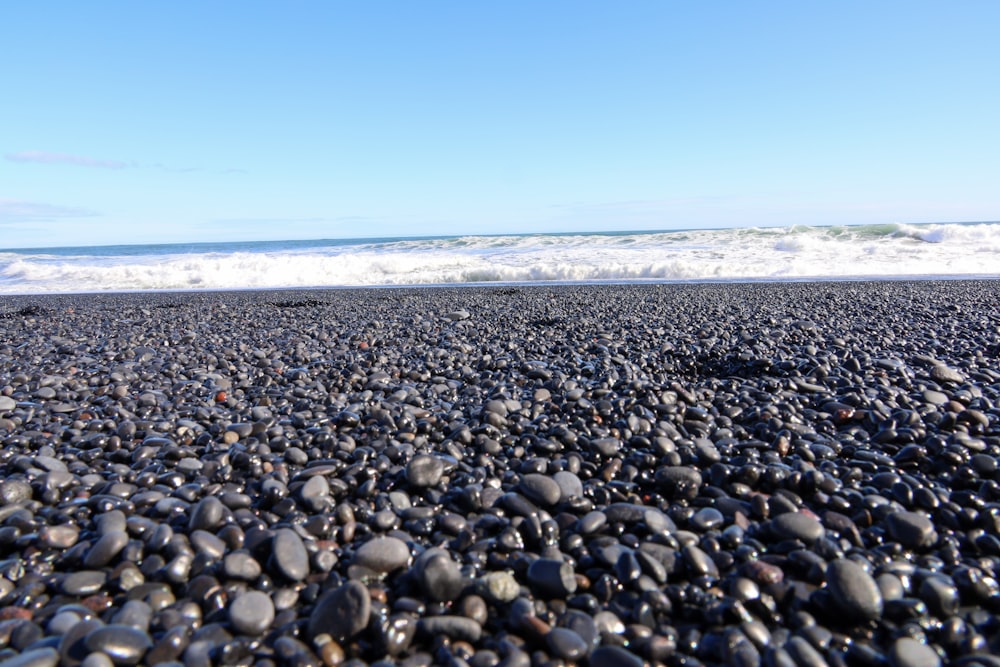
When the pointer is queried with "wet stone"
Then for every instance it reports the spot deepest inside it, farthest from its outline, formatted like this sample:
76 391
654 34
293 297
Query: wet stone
207 514
41 657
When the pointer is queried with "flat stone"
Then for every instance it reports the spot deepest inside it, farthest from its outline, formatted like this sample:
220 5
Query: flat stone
566 644
207 514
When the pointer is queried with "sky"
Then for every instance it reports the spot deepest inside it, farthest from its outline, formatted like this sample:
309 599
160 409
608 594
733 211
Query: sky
126 122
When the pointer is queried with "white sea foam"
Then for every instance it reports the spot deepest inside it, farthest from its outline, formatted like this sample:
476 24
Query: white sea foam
796 253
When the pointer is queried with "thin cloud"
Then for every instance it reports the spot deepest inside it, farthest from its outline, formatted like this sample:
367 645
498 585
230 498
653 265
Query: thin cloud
12 210
46 157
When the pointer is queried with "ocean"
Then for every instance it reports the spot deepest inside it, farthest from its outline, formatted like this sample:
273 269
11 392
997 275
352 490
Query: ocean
723 255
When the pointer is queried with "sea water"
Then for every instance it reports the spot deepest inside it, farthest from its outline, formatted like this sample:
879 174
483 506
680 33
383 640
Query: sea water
726 255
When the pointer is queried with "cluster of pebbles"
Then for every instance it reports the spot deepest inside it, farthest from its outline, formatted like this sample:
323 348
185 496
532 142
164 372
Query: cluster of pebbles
766 474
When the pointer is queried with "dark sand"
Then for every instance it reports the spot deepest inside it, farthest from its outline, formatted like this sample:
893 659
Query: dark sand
780 474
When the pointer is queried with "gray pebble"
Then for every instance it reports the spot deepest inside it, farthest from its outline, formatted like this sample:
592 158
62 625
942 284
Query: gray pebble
853 590
251 613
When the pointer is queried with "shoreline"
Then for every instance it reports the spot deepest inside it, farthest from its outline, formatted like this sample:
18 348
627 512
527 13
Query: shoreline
653 282
671 473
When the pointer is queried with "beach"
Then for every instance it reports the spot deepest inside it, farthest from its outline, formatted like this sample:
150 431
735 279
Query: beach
726 473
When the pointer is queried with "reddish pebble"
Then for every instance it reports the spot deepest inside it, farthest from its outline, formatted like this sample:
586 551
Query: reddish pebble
12 613
221 397
97 603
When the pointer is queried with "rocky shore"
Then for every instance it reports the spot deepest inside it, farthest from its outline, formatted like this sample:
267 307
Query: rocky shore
763 474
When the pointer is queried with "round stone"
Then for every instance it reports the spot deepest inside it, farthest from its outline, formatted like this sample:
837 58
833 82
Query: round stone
424 470
207 514
251 613
500 586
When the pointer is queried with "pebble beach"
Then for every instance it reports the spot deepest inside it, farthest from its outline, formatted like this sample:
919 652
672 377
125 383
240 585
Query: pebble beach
780 474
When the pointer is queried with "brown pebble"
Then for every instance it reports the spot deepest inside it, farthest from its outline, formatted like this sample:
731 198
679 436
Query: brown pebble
331 653
11 613
230 437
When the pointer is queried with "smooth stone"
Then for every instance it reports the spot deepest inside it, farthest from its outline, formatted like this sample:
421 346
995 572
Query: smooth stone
105 549
942 373
566 644
124 644
383 554
241 565
911 529
251 613
706 519
136 613
679 482
540 489
84 582
42 657
854 590
940 595
7 403
570 485
342 612
458 628
552 578
438 575
207 514
289 555
424 470
797 526
908 652
613 656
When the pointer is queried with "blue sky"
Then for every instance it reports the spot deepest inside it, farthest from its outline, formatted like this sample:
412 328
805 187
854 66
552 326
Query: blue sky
126 122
